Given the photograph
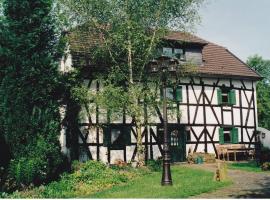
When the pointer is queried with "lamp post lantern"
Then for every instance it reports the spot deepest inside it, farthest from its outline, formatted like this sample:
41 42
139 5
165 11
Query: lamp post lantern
164 64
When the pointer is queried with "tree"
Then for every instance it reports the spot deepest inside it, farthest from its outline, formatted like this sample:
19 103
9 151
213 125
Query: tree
128 32
263 89
29 90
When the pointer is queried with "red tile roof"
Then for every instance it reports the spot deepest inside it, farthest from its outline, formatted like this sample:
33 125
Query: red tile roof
217 59
185 37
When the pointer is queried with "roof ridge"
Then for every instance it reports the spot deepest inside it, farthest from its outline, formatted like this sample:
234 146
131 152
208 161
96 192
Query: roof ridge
185 36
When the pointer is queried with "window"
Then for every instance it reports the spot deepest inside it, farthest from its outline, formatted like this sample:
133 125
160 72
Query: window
160 133
228 135
167 51
174 138
170 93
116 136
177 52
173 93
226 96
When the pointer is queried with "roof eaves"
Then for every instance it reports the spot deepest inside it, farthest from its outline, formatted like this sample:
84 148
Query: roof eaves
259 76
210 75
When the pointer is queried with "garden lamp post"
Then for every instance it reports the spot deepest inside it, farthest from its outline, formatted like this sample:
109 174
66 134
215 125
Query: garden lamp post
164 65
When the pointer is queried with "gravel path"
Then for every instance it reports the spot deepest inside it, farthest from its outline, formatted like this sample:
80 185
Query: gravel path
245 184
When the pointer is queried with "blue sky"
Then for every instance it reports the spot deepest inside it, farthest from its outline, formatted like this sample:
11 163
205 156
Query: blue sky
242 26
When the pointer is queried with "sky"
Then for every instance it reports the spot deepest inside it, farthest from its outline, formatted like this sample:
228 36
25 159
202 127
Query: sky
242 26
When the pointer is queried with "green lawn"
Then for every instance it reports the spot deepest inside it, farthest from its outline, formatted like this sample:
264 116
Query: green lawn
95 180
246 166
186 182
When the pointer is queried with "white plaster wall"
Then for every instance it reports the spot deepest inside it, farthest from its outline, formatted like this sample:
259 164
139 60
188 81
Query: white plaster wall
248 84
218 112
129 152
227 117
208 91
93 151
225 82
200 148
236 115
210 118
103 154
184 94
210 148
216 135
66 61
153 117
156 152
184 115
251 118
117 154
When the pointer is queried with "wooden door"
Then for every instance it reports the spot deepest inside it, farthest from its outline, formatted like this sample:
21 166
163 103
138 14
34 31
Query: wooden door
177 143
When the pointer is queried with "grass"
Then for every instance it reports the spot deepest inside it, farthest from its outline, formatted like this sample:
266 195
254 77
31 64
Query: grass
186 182
86 179
95 180
250 166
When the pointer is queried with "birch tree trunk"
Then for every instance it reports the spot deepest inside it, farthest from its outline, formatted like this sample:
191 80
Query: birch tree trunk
140 147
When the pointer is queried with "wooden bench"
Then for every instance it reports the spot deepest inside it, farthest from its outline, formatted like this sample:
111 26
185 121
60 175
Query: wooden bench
226 149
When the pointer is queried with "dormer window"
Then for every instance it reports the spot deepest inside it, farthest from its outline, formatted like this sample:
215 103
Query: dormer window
174 52
179 53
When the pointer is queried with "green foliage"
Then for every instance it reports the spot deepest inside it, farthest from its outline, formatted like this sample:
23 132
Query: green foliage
41 163
30 89
265 166
155 165
263 89
264 155
251 166
85 179
103 181
3 195
127 34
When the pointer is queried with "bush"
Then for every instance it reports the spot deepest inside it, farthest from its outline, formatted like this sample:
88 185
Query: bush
265 166
154 165
28 170
3 195
86 178
40 165
264 155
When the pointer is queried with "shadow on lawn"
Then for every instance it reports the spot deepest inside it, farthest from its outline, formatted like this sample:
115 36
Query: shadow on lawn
262 190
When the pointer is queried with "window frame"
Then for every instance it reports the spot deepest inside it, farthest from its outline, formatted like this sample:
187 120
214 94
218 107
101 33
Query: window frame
227 131
233 132
125 134
231 96
181 57
177 97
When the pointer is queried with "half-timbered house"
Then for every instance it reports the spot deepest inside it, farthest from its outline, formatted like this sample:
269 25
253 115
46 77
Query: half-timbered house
217 105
